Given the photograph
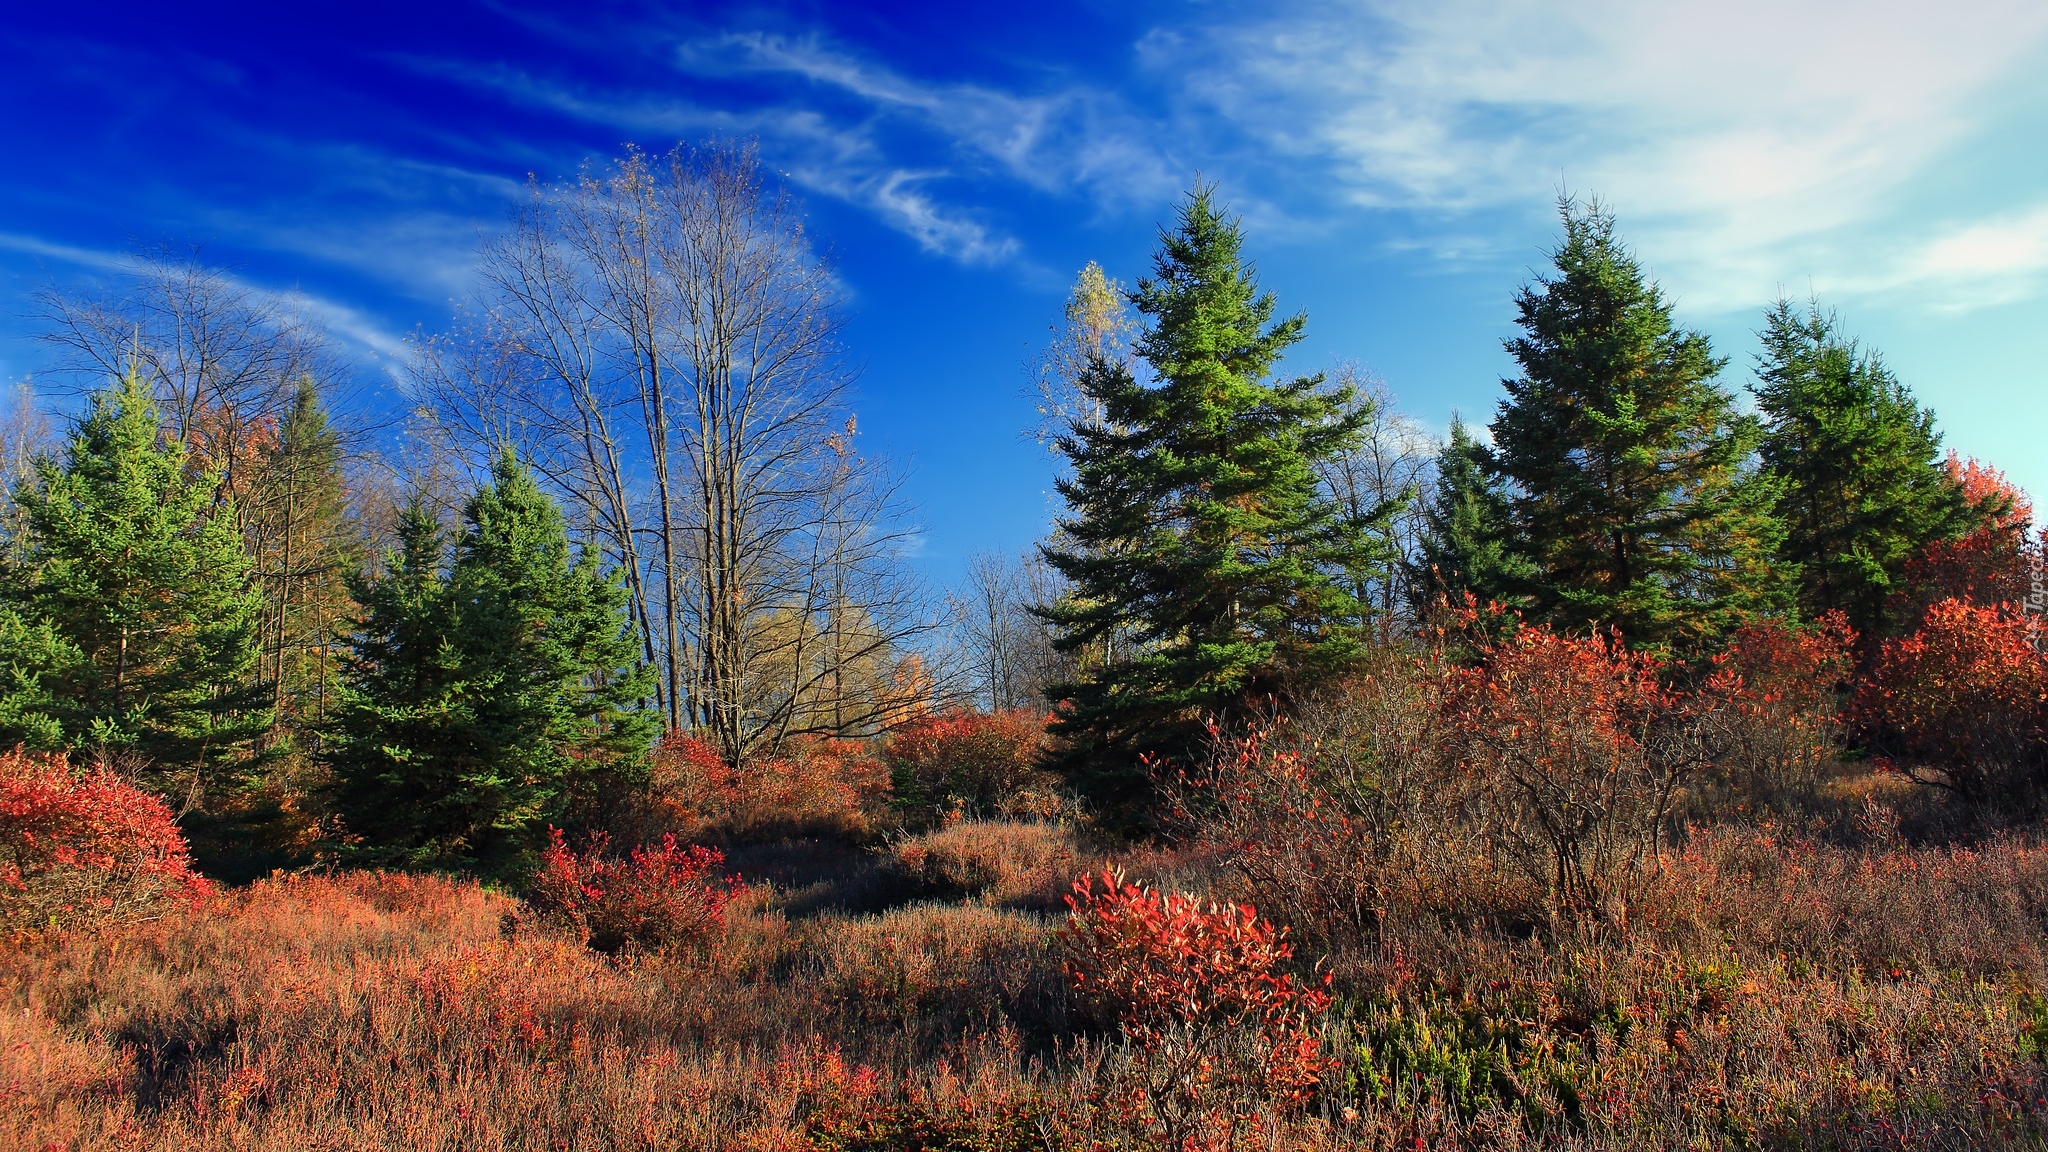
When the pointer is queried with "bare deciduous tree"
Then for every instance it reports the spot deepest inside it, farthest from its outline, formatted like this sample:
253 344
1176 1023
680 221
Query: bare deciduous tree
661 341
1008 649
220 357
1391 466
24 434
1094 323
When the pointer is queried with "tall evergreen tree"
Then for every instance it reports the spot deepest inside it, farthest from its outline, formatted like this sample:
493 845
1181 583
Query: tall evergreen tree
483 702
134 619
1633 492
1464 547
1860 464
1196 523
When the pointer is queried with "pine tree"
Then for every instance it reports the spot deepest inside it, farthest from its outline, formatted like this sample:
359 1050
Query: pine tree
484 702
1464 547
1860 464
133 614
1196 523
1632 492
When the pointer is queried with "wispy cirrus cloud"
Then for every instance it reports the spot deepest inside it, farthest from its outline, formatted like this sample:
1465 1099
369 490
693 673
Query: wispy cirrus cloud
1746 144
1987 262
820 152
353 326
1069 137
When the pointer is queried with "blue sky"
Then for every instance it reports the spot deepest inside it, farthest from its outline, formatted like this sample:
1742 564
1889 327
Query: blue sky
1395 163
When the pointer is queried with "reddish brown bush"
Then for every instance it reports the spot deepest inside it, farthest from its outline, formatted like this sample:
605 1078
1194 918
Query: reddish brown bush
826 785
1579 751
1782 685
1019 865
79 848
810 785
1333 815
659 898
966 764
691 782
1962 702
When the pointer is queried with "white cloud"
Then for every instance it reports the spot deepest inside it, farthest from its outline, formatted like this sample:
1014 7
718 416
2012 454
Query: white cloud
1751 138
69 254
1745 143
1068 137
1994 261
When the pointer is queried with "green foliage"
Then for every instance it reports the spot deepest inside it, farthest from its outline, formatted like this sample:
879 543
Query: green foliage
1472 1056
1632 490
1196 525
484 702
132 624
1860 465
34 659
1464 545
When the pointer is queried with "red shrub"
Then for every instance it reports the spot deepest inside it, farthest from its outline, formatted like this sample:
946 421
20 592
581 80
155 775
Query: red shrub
1568 737
817 783
1966 694
811 784
1802 667
973 763
80 848
1167 965
691 780
657 898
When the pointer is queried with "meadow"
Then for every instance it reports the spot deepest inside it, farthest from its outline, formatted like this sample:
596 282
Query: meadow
1342 945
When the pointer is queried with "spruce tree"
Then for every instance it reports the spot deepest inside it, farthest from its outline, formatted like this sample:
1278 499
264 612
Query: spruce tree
1859 462
1632 488
134 616
1197 529
1464 547
483 702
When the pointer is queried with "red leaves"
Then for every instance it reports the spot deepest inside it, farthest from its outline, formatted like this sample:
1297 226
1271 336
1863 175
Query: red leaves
1780 685
77 847
1774 662
692 779
1988 566
658 898
1967 693
1556 706
1163 961
1577 749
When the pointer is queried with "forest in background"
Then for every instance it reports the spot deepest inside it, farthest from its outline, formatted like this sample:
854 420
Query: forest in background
1657 767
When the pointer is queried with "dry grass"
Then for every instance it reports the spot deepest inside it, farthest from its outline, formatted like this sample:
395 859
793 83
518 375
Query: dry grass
997 862
1768 990
377 1011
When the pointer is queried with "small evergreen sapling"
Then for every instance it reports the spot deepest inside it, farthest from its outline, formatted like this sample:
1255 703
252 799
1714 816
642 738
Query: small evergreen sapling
485 701
1464 547
132 622
1860 466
